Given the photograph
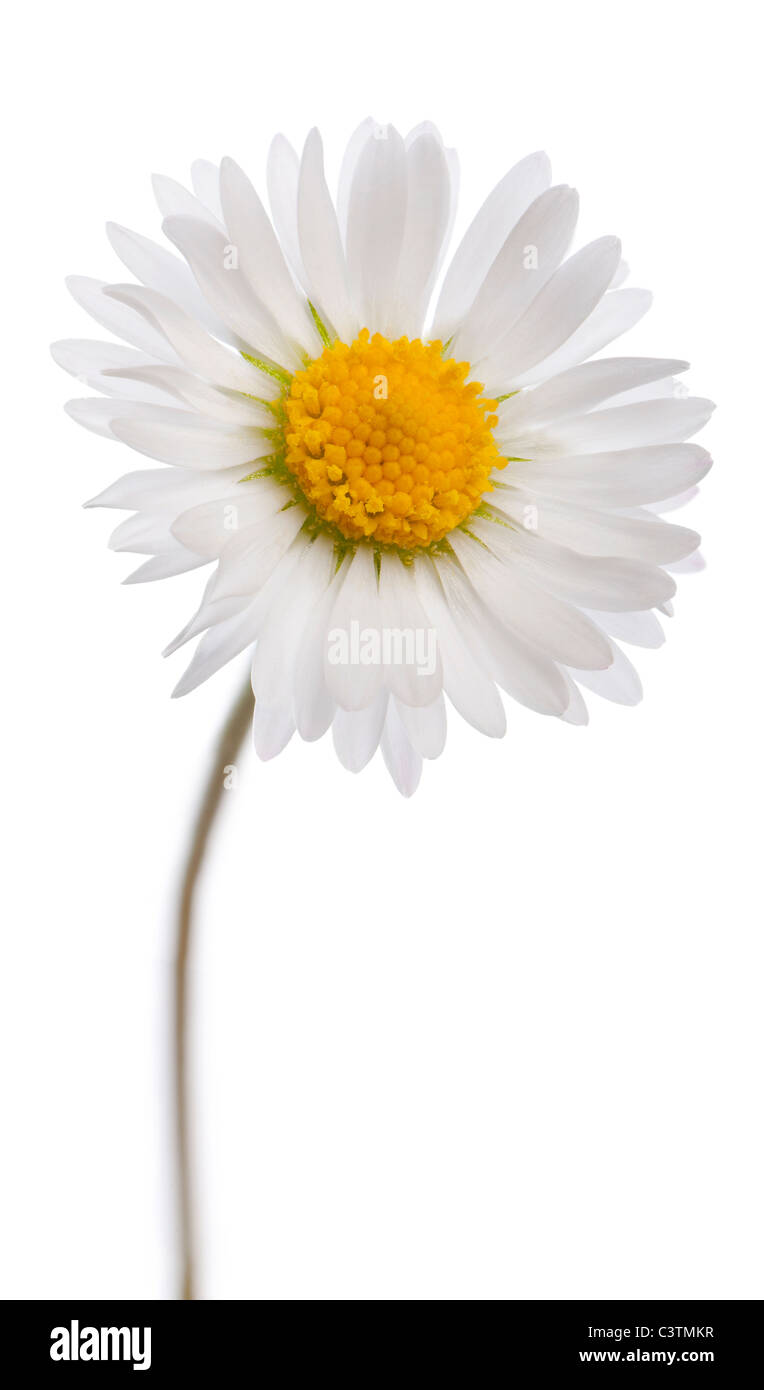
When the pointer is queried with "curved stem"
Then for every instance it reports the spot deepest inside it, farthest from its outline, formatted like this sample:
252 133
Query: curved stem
227 749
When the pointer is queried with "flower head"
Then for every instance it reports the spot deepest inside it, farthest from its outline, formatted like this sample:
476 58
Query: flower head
399 506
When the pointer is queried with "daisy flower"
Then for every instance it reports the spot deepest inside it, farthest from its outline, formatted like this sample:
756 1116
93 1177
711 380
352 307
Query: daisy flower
401 503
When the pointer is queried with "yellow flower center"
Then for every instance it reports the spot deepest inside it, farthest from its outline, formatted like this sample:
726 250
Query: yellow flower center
388 441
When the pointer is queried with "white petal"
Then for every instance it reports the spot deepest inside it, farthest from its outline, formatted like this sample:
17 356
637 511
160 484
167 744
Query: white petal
208 400
562 305
218 647
638 537
401 760
669 387
226 639
627 478
605 582
173 200
425 726
531 253
484 238
673 504
351 683
629 426
273 727
361 135
580 389
178 437
519 668
376 221
158 268
414 673
428 210
313 703
615 314
209 614
98 415
691 564
638 629
283 173
555 627
275 657
173 489
356 733
576 712
620 683
211 525
182 337
452 163
321 248
120 319
261 259
452 166
205 177
164 566
88 359
469 689
253 554
144 534
213 259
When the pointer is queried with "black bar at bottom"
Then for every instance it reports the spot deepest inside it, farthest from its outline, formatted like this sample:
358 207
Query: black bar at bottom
532 1339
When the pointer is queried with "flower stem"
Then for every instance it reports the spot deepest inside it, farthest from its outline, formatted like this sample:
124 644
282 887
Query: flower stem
227 749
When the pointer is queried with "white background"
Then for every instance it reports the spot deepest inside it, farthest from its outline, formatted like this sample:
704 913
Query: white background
501 1041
